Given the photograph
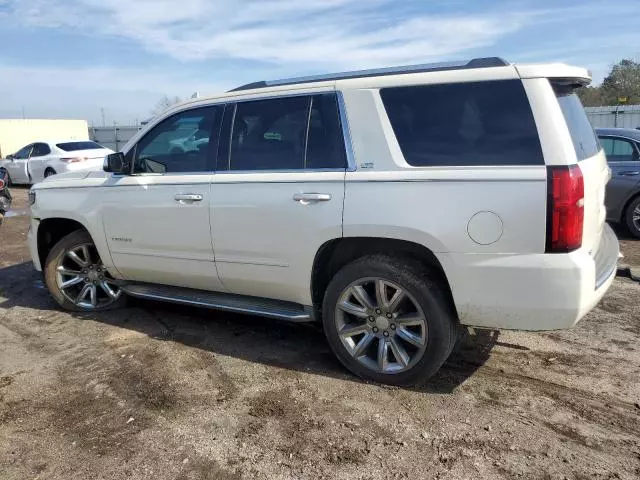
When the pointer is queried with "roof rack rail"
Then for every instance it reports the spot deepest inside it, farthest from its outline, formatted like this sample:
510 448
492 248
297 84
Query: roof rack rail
486 62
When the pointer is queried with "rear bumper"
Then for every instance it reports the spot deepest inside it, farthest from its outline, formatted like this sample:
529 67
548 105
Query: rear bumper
534 291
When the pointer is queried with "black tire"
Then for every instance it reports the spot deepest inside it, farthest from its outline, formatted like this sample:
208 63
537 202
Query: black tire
634 227
75 239
48 172
441 321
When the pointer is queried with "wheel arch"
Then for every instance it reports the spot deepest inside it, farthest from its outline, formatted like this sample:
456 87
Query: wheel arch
338 252
51 231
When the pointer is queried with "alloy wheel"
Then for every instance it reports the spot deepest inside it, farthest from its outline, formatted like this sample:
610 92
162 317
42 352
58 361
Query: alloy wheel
381 325
83 279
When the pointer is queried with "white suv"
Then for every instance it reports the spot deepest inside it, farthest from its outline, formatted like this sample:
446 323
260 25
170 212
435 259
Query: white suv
393 205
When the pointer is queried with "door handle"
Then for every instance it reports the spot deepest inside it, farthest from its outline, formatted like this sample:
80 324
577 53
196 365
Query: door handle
306 198
188 197
630 173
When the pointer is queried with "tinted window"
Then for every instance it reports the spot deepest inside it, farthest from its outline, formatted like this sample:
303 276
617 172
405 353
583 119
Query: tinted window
40 149
73 146
269 134
23 152
619 150
184 142
584 138
325 143
478 123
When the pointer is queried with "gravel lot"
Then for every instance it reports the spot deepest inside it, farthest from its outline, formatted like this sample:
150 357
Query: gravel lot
165 392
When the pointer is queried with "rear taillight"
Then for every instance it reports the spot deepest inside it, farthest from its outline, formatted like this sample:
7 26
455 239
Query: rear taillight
565 209
1 184
73 159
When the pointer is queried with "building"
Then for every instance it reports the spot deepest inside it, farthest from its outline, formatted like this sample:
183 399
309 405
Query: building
16 133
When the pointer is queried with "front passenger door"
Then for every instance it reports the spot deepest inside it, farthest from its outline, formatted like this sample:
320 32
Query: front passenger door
157 219
17 166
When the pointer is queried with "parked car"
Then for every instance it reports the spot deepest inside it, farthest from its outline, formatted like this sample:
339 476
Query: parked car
394 206
622 147
5 194
36 161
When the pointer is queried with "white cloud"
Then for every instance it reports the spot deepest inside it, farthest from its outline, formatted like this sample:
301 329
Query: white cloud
327 33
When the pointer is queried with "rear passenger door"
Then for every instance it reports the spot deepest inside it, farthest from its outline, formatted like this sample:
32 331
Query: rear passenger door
277 194
623 157
37 165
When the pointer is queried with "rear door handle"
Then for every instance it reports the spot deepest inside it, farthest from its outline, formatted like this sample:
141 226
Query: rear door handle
630 173
306 198
188 197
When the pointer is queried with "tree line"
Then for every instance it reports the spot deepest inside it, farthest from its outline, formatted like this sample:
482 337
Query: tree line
620 87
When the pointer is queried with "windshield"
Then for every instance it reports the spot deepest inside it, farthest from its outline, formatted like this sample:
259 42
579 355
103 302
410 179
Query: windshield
73 146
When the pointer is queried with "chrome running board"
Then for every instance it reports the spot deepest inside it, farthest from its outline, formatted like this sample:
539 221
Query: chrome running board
263 307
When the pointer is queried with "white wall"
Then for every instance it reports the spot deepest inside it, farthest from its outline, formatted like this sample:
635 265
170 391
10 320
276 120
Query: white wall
15 134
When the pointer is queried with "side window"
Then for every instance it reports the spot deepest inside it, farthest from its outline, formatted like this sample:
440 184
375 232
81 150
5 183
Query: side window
40 150
269 134
23 153
460 124
618 150
325 143
184 142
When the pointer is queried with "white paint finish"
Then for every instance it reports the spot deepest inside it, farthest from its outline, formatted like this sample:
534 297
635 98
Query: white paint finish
17 169
429 78
436 213
595 173
32 170
553 70
265 241
523 292
80 204
155 238
485 228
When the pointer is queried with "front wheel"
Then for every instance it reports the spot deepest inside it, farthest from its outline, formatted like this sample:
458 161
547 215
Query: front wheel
387 321
76 277
632 217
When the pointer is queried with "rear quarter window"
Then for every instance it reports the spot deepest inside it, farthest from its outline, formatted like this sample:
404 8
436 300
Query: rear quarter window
584 138
464 124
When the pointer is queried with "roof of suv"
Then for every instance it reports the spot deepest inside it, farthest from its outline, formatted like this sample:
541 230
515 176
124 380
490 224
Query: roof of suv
492 68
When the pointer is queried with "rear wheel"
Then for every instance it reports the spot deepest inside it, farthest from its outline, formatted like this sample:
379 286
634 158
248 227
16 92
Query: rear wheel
387 321
48 172
76 277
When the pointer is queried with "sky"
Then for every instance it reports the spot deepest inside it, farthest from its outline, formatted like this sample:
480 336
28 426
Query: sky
83 58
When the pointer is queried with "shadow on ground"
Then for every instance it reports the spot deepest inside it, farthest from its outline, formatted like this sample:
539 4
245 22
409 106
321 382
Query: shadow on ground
299 347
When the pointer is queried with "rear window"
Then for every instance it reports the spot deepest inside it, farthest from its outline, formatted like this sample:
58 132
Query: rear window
464 124
73 146
585 140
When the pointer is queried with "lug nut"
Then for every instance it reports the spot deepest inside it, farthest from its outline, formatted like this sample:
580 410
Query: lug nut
392 326
389 315
375 329
86 280
372 319
85 272
378 311
101 277
385 333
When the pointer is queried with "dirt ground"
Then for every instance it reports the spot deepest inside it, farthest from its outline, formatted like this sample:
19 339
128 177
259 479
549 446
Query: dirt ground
163 392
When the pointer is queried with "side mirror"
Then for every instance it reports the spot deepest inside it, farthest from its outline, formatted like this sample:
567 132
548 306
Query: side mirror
10 157
117 163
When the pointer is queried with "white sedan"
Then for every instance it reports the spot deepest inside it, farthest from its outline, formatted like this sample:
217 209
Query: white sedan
39 160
